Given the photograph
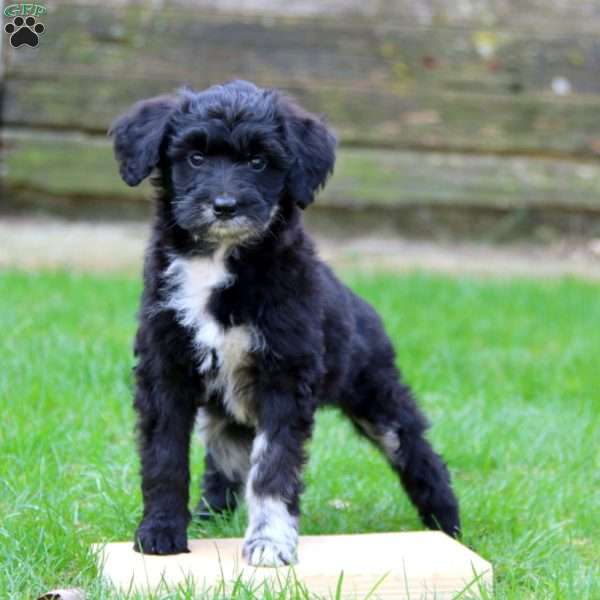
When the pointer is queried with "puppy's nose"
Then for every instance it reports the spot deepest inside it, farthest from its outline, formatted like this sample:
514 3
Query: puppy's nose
224 206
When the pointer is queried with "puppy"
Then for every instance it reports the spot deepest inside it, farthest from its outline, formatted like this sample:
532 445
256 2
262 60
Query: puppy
244 330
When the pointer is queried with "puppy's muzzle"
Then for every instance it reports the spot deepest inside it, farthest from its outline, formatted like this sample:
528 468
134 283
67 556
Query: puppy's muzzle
224 206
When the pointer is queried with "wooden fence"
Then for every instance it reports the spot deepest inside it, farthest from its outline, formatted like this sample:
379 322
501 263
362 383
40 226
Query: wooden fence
486 105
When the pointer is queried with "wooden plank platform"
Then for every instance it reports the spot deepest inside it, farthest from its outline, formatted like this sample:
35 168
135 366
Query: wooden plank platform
397 565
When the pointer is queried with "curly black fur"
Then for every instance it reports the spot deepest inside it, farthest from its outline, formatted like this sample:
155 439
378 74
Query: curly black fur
242 323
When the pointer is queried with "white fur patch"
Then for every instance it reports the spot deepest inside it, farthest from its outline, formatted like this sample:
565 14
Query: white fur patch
259 447
194 280
391 444
271 538
223 354
232 377
232 456
388 440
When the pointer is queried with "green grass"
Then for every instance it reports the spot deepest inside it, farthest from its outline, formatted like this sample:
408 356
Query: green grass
507 371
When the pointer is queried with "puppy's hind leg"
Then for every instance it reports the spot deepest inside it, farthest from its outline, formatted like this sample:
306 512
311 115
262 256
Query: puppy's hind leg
226 464
384 410
219 493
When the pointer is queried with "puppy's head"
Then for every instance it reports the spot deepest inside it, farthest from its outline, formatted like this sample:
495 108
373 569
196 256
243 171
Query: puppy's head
233 155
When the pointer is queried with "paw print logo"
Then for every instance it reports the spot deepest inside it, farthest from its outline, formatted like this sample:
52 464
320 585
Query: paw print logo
24 31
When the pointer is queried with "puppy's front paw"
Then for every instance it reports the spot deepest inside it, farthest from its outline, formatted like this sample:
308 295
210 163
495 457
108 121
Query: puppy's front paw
160 535
265 552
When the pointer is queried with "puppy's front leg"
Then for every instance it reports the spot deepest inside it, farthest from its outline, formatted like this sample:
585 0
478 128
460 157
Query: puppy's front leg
164 437
273 490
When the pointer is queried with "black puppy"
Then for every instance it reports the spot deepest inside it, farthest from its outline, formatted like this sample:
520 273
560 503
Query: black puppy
244 330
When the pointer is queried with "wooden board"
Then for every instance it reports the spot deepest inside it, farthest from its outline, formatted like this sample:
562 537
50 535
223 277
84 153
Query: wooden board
76 170
536 16
418 78
397 565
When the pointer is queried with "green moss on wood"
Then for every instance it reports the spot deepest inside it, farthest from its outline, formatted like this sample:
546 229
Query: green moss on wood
85 167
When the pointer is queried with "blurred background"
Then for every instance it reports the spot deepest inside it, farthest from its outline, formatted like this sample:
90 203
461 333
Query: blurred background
469 130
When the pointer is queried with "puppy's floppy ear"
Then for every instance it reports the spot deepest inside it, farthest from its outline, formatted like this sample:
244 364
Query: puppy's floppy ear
138 135
312 144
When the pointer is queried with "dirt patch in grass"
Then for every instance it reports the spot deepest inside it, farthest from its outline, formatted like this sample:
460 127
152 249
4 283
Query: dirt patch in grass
49 243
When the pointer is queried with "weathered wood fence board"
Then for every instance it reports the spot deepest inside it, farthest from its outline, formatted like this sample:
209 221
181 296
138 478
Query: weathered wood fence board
75 167
363 118
381 83
487 104
173 43
522 15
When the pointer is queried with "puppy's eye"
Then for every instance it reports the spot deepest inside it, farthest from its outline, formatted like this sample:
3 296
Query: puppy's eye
196 159
257 163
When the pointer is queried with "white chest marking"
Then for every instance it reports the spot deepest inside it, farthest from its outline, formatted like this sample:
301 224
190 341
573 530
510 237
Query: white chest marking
222 354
